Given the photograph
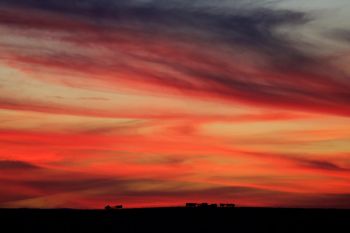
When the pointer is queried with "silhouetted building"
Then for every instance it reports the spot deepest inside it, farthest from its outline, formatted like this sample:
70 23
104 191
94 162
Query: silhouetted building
191 205
117 207
229 205
204 205
207 205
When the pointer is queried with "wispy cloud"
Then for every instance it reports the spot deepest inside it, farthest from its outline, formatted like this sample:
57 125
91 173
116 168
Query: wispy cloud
322 165
283 74
16 165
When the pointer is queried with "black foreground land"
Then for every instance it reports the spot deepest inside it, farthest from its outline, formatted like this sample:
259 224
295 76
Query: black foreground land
176 220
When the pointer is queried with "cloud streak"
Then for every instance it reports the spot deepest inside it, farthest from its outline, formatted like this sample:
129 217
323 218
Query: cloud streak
288 76
16 165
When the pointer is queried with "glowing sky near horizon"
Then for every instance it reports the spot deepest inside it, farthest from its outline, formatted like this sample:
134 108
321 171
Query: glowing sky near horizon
160 102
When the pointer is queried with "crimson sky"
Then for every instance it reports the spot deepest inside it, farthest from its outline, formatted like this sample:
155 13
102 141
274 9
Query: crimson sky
159 102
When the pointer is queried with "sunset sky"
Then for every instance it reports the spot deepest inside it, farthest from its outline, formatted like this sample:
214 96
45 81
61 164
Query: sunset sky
161 102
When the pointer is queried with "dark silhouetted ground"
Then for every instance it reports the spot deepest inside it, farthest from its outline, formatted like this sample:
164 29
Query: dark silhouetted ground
176 220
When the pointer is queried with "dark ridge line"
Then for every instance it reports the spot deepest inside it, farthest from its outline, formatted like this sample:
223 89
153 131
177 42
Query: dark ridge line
178 207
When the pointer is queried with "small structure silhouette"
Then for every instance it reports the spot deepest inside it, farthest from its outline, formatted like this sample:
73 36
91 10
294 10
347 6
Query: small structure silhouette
191 205
229 205
117 207
206 205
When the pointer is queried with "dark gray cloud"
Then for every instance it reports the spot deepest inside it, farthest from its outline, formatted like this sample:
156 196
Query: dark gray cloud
252 27
16 165
343 35
322 165
214 38
6 196
64 184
